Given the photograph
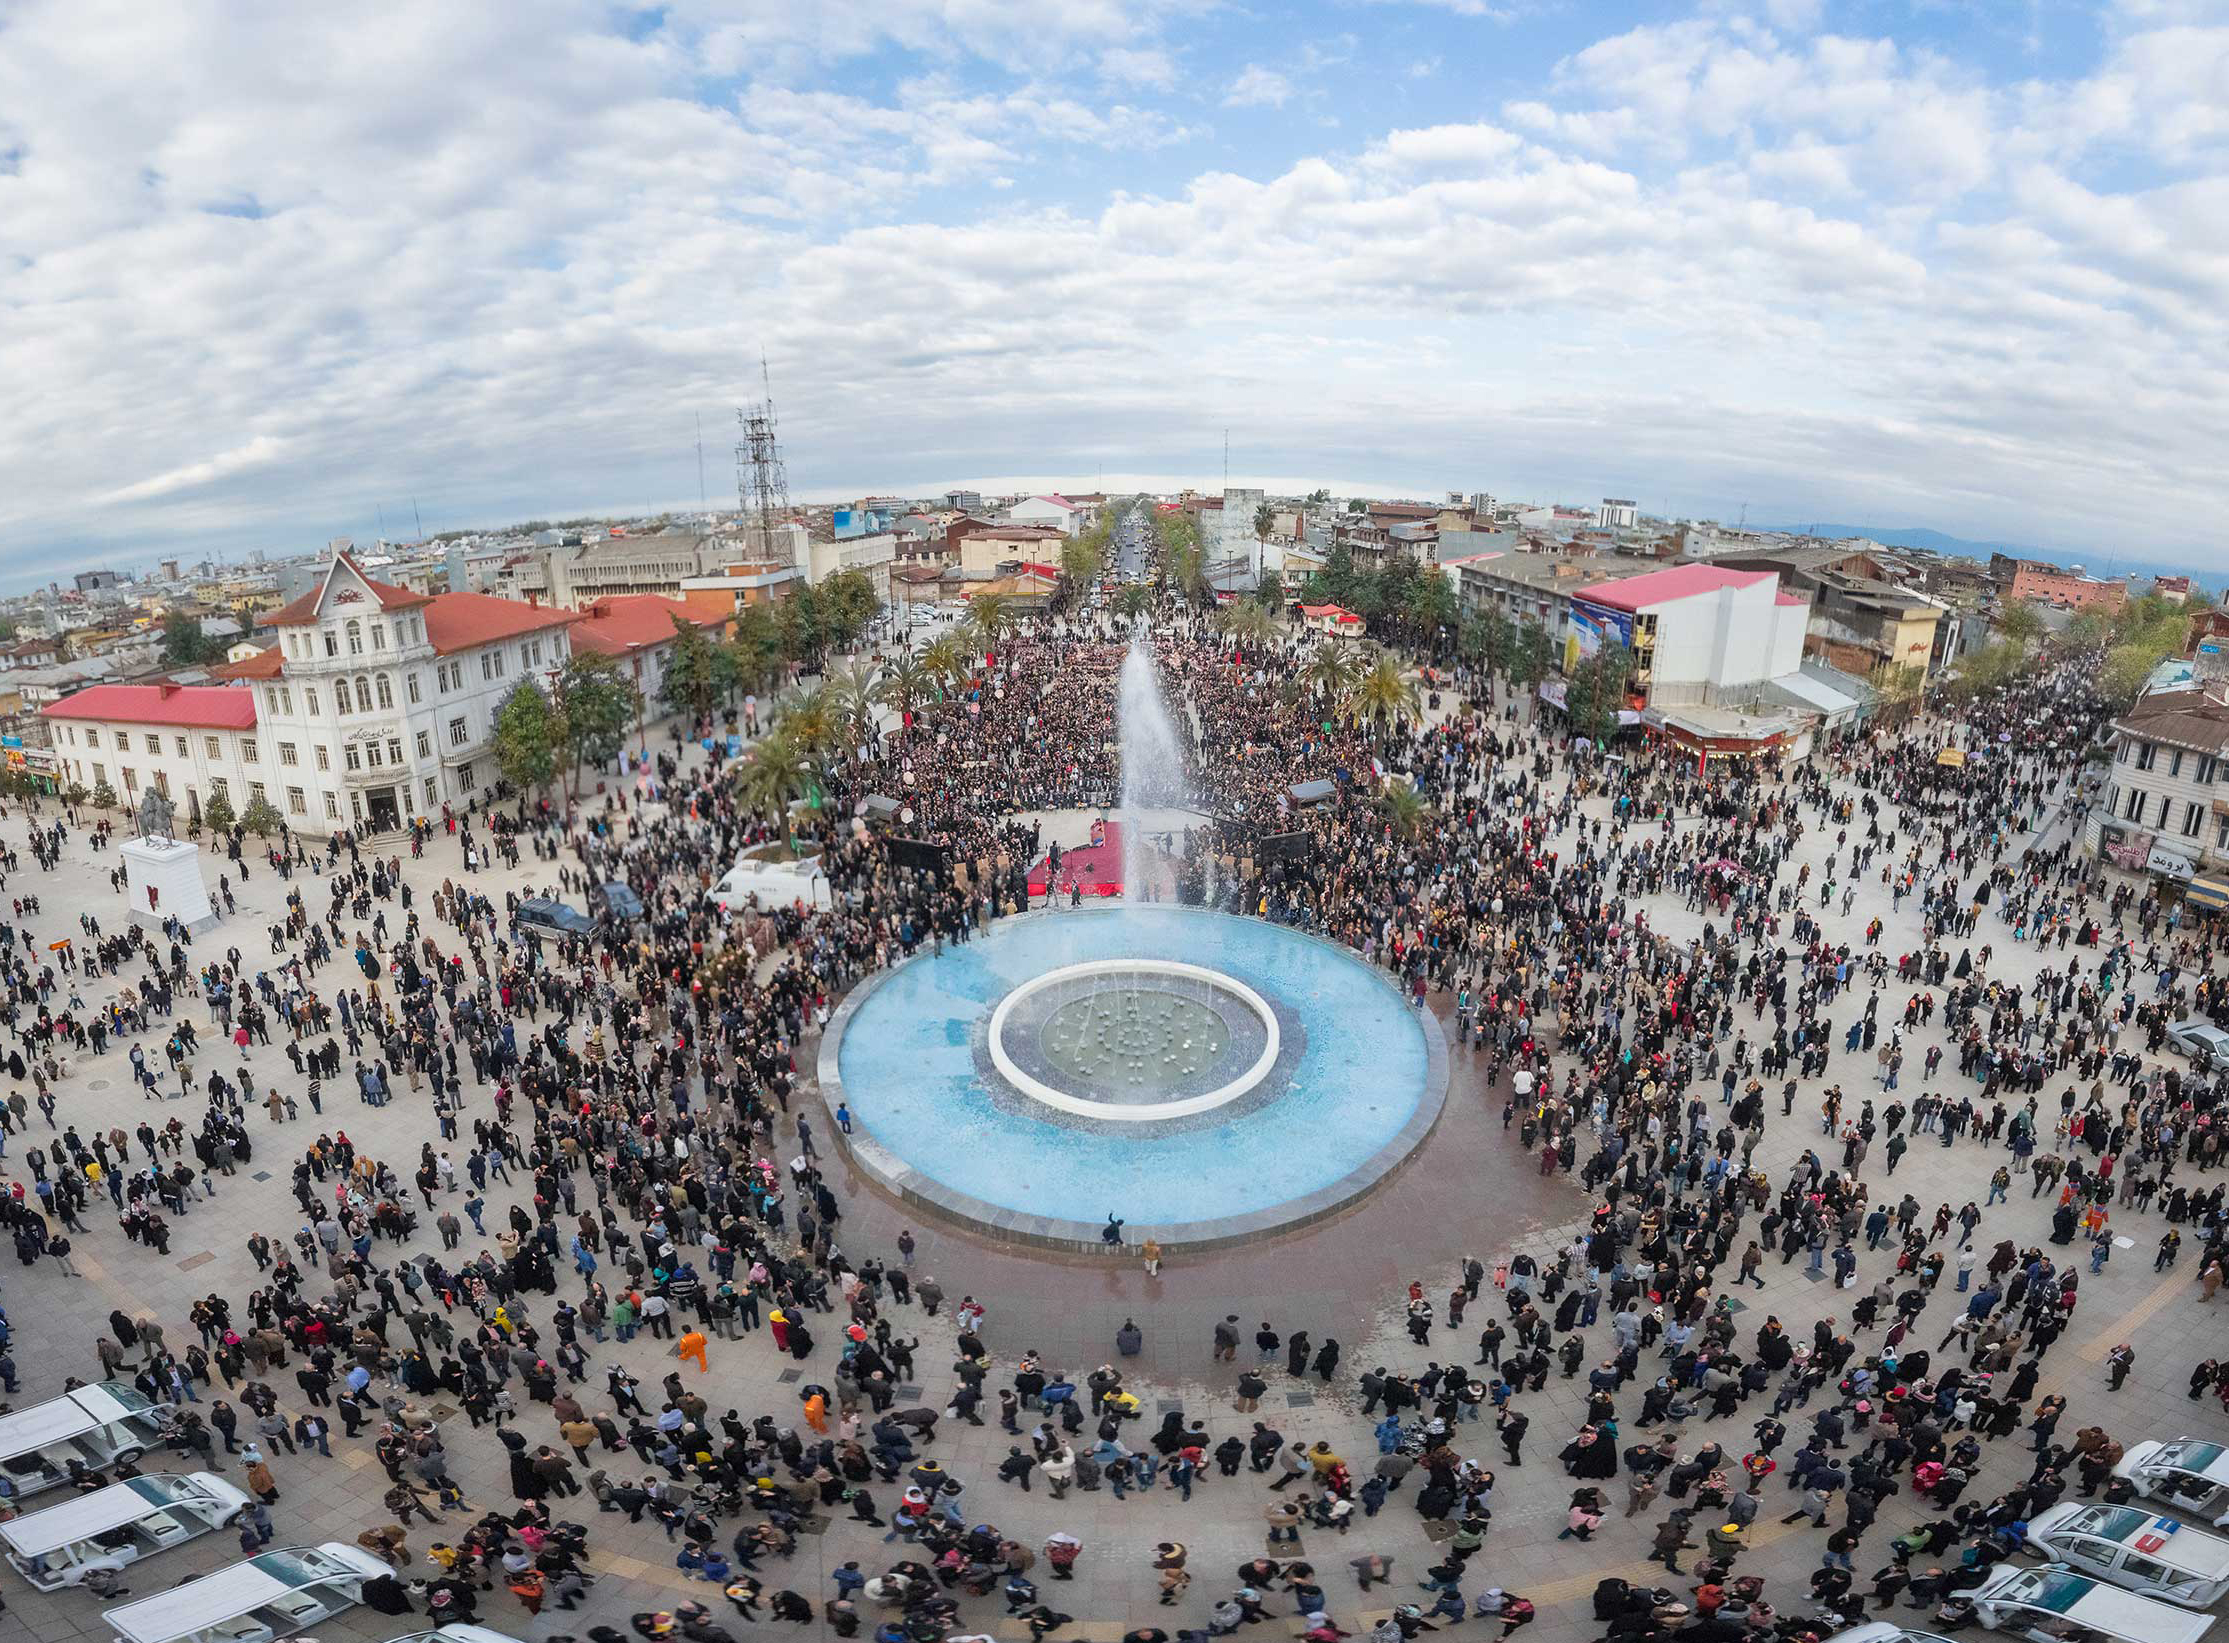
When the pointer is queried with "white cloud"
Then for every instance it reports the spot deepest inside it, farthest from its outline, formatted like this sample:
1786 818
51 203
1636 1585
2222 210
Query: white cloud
1809 270
1258 87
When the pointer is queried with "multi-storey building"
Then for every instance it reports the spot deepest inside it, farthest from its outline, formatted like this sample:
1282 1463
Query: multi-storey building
2166 807
376 705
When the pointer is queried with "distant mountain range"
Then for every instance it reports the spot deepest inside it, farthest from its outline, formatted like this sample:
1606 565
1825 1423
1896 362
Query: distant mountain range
2116 565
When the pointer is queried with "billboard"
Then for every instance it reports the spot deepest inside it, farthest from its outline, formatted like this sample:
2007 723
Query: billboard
1590 625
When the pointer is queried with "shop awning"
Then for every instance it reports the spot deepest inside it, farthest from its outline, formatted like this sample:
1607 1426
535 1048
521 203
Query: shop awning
1951 756
2211 894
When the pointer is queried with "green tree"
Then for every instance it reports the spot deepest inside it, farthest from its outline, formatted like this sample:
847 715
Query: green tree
1358 505
1265 520
76 795
2021 623
803 628
1489 640
1403 807
529 738
2087 630
849 604
260 818
1532 657
1319 495
185 645
1385 696
853 694
104 796
1902 687
988 616
600 704
906 682
1430 609
1082 558
1249 624
776 772
754 657
1133 602
217 813
2122 679
1596 691
947 660
1271 593
692 678
1331 671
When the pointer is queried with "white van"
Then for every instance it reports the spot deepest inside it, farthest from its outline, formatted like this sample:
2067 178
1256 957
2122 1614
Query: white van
2051 1605
100 1424
2190 1475
271 1595
770 884
2139 1550
114 1527
459 1631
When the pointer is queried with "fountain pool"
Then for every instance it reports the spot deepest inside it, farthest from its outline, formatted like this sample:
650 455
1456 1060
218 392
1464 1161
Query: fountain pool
1064 1065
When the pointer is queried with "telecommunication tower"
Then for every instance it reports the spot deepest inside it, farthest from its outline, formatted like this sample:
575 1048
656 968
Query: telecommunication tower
761 484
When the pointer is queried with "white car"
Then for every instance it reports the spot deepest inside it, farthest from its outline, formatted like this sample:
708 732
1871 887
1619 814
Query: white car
2200 1039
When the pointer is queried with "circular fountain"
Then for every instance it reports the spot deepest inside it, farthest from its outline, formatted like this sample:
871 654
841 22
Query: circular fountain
1062 1066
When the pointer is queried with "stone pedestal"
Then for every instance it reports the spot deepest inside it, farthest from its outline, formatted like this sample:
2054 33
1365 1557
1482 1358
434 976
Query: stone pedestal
173 871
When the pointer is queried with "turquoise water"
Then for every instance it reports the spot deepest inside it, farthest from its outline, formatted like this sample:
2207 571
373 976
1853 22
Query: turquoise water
910 1076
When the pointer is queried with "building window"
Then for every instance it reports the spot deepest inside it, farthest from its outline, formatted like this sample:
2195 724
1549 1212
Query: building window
247 750
363 695
2135 811
181 741
425 744
458 735
386 691
394 750
332 643
332 808
379 636
154 744
353 756
324 759
309 701
2144 752
92 737
491 664
217 786
371 755
286 700
162 783
209 746
100 773
297 802
131 779
288 754
355 637
433 793
2175 764
410 687
464 775
256 792
2191 815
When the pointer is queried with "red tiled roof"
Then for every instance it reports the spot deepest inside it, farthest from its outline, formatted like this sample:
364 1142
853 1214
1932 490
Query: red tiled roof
459 621
1335 612
198 707
1679 582
304 609
621 623
264 664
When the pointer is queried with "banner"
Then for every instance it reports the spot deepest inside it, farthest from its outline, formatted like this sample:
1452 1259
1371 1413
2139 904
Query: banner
1590 625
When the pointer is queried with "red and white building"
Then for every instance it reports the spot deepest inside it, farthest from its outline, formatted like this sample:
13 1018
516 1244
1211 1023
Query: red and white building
637 631
376 705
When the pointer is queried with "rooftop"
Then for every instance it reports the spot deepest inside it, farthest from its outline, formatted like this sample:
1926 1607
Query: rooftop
196 707
2196 718
459 621
622 623
386 594
1659 587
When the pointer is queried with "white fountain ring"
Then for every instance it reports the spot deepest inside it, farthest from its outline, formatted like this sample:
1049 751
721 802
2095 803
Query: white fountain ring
1139 1112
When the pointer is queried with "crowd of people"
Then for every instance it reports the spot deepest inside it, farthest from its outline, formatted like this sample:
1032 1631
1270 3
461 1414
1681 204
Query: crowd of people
634 1097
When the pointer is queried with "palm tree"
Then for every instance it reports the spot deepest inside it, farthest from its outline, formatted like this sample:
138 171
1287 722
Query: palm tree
812 724
778 771
1133 601
987 617
1404 808
946 661
1331 671
905 681
853 693
1249 625
1385 695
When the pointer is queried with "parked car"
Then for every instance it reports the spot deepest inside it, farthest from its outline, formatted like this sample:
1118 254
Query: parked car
2200 1040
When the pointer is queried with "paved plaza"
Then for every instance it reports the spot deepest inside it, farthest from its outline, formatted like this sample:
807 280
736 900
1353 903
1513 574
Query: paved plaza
1472 1191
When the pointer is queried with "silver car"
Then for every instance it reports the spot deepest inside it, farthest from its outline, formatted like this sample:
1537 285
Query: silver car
2200 1040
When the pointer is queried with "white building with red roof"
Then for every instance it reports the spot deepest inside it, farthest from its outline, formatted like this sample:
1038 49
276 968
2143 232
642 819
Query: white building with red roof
637 631
376 705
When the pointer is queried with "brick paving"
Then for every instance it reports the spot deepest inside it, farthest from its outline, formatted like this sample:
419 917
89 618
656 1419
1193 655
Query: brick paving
1470 1192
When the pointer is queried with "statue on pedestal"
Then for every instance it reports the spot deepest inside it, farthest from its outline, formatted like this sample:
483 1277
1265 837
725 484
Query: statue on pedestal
154 816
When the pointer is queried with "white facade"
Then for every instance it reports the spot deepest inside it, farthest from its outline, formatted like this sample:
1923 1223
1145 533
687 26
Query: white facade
1617 514
1725 642
1055 511
381 708
870 554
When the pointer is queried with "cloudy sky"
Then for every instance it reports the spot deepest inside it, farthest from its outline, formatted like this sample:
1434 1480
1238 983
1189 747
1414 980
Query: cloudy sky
272 268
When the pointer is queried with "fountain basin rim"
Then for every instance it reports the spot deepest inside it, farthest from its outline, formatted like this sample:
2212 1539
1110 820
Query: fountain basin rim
1146 1112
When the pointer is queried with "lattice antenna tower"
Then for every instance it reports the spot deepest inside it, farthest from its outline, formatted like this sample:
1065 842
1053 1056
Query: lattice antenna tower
761 483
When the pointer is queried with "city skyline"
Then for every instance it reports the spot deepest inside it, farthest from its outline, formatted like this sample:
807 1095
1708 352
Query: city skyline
1877 261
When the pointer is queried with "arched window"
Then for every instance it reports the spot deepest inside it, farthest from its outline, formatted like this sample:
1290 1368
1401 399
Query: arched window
355 637
363 694
386 693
